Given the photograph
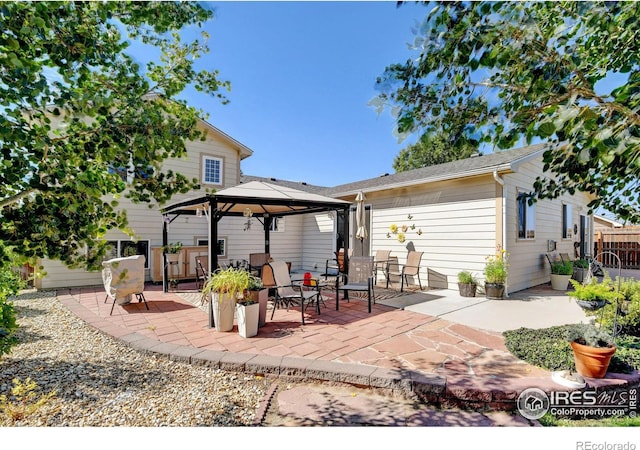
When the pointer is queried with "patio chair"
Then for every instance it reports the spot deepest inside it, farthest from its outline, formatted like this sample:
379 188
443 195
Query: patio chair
380 263
288 294
334 267
359 278
122 278
202 270
256 261
410 269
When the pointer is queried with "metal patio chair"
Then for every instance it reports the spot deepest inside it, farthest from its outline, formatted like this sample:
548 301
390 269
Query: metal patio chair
410 269
359 278
287 294
123 278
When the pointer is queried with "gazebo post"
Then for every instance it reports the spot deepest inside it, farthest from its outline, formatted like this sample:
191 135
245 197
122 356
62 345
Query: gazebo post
165 242
213 249
267 232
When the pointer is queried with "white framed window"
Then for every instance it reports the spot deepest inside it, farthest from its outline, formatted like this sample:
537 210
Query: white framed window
122 248
222 244
526 216
567 227
212 168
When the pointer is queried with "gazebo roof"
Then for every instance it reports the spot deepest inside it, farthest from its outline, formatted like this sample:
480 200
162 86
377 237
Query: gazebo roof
261 198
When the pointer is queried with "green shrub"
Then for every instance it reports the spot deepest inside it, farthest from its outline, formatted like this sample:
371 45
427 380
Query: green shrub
10 284
546 348
466 277
628 318
581 264
562 268
549 349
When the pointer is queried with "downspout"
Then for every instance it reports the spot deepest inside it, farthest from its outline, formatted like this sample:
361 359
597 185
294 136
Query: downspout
500 181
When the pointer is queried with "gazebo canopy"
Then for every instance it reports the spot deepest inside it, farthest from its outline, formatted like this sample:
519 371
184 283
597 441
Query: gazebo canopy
262 200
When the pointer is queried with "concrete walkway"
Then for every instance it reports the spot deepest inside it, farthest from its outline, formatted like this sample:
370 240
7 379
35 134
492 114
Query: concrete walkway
432 348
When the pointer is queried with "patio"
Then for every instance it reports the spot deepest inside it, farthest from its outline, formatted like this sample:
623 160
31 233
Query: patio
447 362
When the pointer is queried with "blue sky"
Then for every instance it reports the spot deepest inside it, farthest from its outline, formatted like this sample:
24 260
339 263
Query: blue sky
302 74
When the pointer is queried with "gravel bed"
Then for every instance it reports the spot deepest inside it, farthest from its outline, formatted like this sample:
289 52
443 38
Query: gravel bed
99 382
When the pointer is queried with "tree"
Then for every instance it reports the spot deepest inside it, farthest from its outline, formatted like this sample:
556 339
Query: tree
431 149
83 124
497 73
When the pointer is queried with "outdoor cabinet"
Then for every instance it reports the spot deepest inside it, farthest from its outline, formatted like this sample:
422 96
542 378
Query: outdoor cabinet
186 267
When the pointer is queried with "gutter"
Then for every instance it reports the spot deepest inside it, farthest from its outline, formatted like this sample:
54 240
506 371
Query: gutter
500 181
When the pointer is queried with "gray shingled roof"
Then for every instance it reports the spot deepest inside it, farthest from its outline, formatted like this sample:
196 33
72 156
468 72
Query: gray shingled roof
502 160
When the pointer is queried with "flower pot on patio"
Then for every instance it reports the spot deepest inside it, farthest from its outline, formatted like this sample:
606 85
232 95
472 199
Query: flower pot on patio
592 362
467 289
248 316
494 291
224 306
560 282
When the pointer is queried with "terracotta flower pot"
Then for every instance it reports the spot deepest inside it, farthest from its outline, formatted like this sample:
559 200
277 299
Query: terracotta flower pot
592 362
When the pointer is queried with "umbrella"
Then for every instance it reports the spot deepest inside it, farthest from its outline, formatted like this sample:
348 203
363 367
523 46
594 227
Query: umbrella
361 232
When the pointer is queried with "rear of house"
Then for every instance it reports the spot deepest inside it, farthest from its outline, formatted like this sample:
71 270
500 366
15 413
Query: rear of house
457 214
461 212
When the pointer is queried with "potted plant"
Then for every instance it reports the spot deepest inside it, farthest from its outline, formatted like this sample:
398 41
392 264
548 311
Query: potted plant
172 251
248 308
561 272
495 274
467 284
593 295
223 289
592 348
580 269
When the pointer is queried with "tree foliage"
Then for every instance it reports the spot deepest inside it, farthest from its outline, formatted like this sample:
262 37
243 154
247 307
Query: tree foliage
496 73
84 124
431 149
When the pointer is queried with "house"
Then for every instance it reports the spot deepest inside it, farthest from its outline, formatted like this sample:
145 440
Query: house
215 162
457 213
460 212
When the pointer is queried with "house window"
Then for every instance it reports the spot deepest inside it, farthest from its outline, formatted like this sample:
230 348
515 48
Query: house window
119 249
222 245
277 224
211 170
567 231
526 217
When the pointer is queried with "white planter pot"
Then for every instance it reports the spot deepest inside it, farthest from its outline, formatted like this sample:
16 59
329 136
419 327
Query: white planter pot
224 307
248 316
560 282
172 257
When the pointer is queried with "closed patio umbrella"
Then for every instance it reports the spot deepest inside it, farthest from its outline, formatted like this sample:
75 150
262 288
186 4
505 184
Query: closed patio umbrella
361 229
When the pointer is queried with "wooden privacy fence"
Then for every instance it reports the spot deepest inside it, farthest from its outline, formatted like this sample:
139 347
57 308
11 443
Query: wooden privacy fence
624 244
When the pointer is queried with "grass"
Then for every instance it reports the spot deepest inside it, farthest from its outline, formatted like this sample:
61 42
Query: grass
549 420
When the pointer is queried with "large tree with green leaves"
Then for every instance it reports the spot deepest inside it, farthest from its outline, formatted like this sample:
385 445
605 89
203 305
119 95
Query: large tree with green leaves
78 112
498 73
431 149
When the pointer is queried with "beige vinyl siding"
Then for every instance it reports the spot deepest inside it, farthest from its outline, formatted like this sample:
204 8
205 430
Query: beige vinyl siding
457 219
318 239
147 222
527 262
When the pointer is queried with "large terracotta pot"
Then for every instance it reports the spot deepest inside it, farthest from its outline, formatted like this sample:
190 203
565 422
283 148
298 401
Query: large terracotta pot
592 362
494 291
